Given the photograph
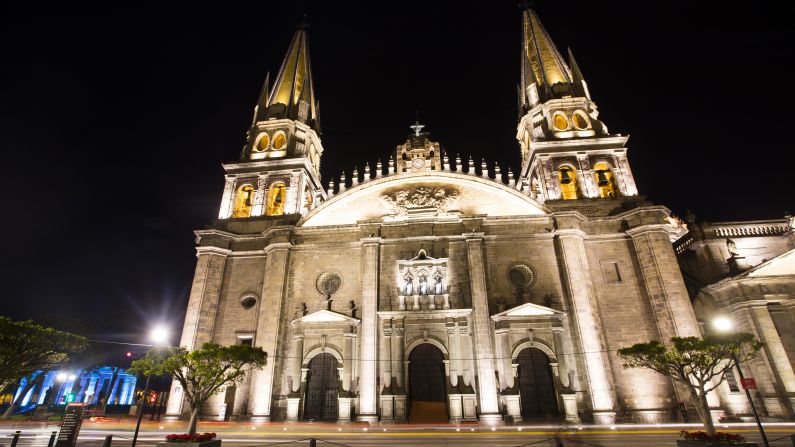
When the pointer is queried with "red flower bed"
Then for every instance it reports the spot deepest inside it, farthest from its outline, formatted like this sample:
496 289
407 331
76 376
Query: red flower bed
720 437
198 437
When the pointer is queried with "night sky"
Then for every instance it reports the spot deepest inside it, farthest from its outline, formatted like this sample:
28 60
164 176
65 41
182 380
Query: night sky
114 122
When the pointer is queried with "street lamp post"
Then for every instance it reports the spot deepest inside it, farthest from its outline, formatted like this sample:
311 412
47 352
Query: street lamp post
723 324
159 336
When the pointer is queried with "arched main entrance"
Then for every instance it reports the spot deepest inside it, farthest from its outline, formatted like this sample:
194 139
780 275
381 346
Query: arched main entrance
322 386
427 385
536 386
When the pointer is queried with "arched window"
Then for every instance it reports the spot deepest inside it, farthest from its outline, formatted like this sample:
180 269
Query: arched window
243 201
605 180
276 196
567 178
560 122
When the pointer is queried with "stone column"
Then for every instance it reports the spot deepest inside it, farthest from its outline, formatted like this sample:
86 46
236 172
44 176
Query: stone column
451 336
779 360
367 373
487 387
258 207
347 362
268 328
503 357
200 315
398 349
576 279
298 357
626 181
386 354
228 198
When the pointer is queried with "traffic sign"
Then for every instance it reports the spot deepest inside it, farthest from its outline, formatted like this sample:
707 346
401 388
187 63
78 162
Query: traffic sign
748 383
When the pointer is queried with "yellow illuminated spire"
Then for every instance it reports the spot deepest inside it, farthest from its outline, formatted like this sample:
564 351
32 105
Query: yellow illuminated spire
293 84
541 61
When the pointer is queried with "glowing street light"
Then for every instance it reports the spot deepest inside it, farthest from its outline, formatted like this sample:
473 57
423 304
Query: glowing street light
724 325
159 336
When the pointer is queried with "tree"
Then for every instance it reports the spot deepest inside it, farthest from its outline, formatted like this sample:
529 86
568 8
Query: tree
201 372
26 347
700 364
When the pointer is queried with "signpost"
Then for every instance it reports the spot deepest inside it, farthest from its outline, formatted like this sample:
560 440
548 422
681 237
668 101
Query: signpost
748 383
70 426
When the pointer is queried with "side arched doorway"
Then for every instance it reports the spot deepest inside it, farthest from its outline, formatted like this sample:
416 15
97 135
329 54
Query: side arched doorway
427 385
322 389
536 386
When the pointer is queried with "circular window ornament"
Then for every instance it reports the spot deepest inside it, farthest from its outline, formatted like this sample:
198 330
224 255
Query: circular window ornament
560 122
263 143
580 122
521 275
418 163
328 283
279 141
248 301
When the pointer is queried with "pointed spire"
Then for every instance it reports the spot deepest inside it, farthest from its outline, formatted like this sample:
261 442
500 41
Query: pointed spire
510 176
355 176
484 168
446 162
330 191
577 78
262 101
541 62
497 172
293 84
458 165
471 166
366 171
379 169
391 165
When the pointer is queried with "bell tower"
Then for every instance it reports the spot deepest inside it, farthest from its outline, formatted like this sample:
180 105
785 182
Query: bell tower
567 152
279 168
418 153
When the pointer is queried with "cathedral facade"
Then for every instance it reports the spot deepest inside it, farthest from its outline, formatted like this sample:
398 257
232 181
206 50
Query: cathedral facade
430 289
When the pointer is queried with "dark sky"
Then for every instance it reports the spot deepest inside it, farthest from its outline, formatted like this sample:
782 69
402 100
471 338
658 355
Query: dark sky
114 122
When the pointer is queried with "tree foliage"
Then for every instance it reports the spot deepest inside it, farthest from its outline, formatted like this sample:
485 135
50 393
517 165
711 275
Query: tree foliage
201 372
26 347
700 364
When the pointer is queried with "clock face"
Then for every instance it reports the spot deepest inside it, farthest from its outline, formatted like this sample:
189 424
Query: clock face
418 163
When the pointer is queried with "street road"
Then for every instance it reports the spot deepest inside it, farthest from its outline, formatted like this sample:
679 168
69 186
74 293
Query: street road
331 435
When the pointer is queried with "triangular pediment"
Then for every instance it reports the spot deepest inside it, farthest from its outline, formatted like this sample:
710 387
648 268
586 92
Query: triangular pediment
782 265
328 317
527 310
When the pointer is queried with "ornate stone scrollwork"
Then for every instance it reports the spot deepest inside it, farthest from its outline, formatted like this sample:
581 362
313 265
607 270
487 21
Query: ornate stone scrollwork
438 198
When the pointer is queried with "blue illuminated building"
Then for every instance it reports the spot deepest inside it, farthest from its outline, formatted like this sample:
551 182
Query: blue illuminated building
88 386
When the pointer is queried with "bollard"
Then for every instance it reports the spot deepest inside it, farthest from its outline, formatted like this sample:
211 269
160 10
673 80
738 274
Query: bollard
52 439
15 439
312 442
108 440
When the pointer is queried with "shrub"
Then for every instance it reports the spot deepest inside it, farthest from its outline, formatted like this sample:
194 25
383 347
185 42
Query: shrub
198 437
720 437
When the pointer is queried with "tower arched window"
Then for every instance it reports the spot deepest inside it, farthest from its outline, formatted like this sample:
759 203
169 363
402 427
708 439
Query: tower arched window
244 198
276 197
605 180
567 178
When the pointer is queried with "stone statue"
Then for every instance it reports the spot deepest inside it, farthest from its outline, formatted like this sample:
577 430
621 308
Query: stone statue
732 247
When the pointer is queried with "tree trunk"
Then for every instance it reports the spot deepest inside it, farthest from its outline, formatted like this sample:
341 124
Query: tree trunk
194 419
15 403
702 406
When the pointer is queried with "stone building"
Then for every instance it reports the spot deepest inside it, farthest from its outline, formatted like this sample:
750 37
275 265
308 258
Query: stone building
433 288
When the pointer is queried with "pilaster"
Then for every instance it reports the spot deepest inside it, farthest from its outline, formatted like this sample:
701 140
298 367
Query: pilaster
368 375
487 387
579 287
269 328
